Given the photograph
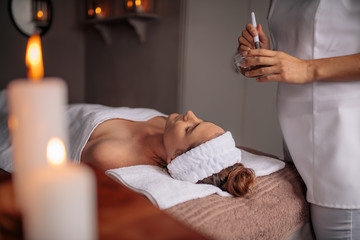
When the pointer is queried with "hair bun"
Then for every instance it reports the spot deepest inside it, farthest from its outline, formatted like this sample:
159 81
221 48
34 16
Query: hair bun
236 179
240 180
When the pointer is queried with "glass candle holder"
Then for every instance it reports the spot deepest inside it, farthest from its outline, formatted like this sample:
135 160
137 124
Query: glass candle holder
139 6
239 59
98 9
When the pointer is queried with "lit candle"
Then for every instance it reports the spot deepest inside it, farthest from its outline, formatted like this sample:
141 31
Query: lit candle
61 200
58 200
36 113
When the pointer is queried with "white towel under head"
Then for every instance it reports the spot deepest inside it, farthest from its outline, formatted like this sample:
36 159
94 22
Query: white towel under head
206 159
164 191
159 187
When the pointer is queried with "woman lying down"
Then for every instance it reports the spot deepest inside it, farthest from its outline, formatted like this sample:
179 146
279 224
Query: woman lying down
192 149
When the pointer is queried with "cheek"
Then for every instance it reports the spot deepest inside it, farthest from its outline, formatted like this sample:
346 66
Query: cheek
168 140
172 141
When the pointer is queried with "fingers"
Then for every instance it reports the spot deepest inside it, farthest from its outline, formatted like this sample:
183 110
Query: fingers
264 40
254 61
282 68
246 40
251 30
261 52
243 48
262 70
259 66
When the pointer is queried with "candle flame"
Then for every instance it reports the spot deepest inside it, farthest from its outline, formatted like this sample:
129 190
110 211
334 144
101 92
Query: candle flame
98 10
40 14
91 12
33 59
56 152
138 3
129 3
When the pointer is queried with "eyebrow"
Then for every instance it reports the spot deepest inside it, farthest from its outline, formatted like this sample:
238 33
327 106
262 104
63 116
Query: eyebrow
204 121
192 129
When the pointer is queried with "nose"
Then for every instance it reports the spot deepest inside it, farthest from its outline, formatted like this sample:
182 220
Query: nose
190 116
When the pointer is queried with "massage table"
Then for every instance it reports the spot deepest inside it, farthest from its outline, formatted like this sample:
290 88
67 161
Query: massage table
122 214
275 209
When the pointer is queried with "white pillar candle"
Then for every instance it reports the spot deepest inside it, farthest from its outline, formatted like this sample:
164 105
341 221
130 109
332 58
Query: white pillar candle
62 204
58 201
36 114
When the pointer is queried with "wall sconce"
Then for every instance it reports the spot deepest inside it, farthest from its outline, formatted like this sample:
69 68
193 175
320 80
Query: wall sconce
139 6
136 12
40 11
117 8
98 8
32 16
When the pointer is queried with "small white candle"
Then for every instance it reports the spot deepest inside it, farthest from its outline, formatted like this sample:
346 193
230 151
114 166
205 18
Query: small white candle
61 200
36 113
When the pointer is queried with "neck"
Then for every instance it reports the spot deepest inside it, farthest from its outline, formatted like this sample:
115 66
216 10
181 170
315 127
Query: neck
155 148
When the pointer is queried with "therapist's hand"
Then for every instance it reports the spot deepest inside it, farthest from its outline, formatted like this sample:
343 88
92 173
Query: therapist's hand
280 67
246 40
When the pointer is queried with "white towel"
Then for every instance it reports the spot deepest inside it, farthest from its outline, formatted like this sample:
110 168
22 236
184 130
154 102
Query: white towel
159 187
164 191
84 118
261 165
206 159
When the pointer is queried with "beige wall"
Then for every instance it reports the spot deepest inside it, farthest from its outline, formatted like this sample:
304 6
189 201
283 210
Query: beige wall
134 74
186 63
209 85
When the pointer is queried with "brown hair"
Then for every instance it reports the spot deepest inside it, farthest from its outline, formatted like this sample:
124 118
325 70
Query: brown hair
235 179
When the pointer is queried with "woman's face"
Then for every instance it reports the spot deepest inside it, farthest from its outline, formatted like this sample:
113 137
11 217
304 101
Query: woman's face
183 132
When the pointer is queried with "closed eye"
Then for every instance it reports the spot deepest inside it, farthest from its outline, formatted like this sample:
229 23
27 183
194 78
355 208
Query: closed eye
190 129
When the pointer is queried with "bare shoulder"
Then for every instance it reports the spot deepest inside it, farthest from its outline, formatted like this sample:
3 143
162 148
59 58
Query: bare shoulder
106 153
120 143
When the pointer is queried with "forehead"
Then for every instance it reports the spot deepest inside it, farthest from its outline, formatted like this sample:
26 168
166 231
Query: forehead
205 132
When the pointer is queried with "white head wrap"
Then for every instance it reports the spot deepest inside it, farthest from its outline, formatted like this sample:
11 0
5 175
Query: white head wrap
206 159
